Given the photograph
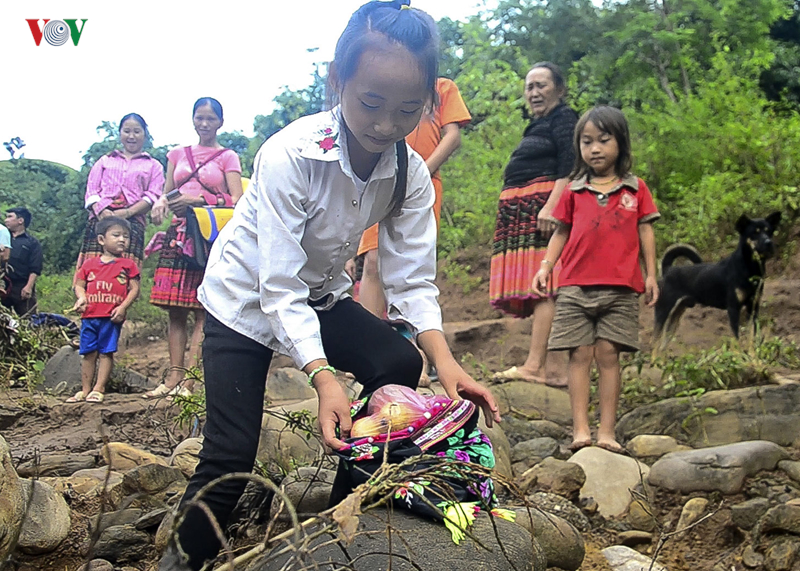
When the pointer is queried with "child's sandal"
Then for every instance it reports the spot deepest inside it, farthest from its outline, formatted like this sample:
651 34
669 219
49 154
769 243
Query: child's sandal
77 397
161 390
95 396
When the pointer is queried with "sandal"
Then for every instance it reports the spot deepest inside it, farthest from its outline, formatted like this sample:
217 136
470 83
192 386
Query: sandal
163 390
77 397
95 396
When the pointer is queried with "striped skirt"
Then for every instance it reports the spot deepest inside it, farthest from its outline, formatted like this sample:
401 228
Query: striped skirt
519 248
174 284
91 249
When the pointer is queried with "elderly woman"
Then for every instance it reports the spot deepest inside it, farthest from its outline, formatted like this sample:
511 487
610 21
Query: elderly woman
534 179
124 183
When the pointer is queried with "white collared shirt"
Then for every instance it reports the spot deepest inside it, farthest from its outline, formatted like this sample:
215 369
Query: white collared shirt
297 225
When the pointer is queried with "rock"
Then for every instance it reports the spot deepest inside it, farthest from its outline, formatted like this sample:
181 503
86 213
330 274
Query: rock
309 490
692 511
185 457
640 516
722 468
151 519
281 448
533 400
609 478
634 537
753 413
151 478
120 517
121 543
791 468
784 518
526 481
288 384
12 501
95 481
561 507
623 558
47 518
539 447
122 457
9 416
164 530
127 381
561 542
97 565
793 502
427 543
751 558
56 465
781 554
653 445
559 477
62 373
519 430
746 514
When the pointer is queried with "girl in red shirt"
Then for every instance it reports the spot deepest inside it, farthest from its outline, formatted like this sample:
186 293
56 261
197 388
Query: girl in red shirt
605 216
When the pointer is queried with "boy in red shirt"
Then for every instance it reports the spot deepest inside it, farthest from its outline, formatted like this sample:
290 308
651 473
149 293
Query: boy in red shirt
106 287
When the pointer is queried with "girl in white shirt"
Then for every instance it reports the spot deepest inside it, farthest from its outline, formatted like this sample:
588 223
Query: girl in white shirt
275 279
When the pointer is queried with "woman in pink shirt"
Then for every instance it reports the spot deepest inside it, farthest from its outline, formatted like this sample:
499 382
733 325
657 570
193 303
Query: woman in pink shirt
199 175
125 183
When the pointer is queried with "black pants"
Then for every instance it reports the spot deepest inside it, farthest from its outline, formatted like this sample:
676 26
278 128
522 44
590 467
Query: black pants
235 376
14 300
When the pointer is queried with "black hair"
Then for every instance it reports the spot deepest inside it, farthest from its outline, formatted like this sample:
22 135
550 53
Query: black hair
109 222
609 120
555 71
23 213
370 26
139 119
216 106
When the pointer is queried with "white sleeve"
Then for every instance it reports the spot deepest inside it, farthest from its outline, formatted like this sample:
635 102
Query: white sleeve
407 254
281 190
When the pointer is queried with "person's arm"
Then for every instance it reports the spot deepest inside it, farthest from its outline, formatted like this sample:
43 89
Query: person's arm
161 206
233 180
80 293
554 248
119 312
545 220
647 241
562 135
92 200
449 144
140 207
36 270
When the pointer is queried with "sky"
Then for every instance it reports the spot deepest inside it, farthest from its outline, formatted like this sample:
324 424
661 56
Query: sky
156 58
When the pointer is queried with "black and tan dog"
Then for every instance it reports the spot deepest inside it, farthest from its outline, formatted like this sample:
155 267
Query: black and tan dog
732 283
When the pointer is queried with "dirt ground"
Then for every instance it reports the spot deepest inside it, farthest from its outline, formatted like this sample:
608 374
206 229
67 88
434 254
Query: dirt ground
48 426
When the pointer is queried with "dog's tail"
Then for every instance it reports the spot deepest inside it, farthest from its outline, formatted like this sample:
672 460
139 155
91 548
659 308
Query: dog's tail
679 251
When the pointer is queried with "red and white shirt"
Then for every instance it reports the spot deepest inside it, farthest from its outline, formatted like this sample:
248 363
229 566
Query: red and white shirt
106 284
603 245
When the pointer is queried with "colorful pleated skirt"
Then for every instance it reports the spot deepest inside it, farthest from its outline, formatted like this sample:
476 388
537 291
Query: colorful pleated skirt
519 248
174 283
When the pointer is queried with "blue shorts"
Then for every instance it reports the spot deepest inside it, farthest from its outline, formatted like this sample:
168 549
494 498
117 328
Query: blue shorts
99 334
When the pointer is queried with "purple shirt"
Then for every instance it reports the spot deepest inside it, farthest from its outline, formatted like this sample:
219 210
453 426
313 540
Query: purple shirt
121 182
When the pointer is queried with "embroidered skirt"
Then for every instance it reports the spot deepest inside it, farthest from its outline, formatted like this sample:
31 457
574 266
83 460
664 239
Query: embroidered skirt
91 249
519 248
174 284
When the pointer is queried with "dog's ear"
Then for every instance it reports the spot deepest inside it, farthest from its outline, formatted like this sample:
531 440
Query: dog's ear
774 219
742 223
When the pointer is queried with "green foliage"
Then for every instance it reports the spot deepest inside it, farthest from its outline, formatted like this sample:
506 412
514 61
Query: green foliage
24 350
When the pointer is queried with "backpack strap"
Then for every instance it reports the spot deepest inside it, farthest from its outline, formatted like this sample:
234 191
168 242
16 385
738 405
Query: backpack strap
401 180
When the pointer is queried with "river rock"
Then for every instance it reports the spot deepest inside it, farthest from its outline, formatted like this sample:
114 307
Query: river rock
47 518
634 537
9 416
12 501
121 543
122 457
127 381
309 490
185 457
562 543
623 558
609 478
427 543
692 511
97 565
781 554
519 430
559 477
745 515
56 465
151 519
653 445
791 468
151 479
640 516
783 518
533 400
537 447
288 383
753 413
62 372
282 448
751 558
120 517
561 507
722 468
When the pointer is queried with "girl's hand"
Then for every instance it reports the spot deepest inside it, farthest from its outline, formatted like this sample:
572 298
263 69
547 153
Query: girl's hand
334 409
651 292
540 281
160 211
545 222
459 385
181 202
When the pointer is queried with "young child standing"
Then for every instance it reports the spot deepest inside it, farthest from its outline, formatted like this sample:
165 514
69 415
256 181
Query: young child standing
106 287
275 279
605 216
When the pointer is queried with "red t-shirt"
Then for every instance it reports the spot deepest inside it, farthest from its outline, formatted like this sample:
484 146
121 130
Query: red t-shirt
603 244
106 284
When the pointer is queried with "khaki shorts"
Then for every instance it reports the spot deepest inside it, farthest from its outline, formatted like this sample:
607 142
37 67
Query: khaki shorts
585 314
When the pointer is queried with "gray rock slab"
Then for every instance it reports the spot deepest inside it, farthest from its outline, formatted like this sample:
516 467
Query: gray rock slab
288 383
746 514
623 558
122 543
559 477
309 490
540 447
533 400
561 541
56 465
653 445
47 518
609 478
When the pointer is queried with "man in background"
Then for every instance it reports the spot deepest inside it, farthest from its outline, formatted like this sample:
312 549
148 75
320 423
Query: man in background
24 263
